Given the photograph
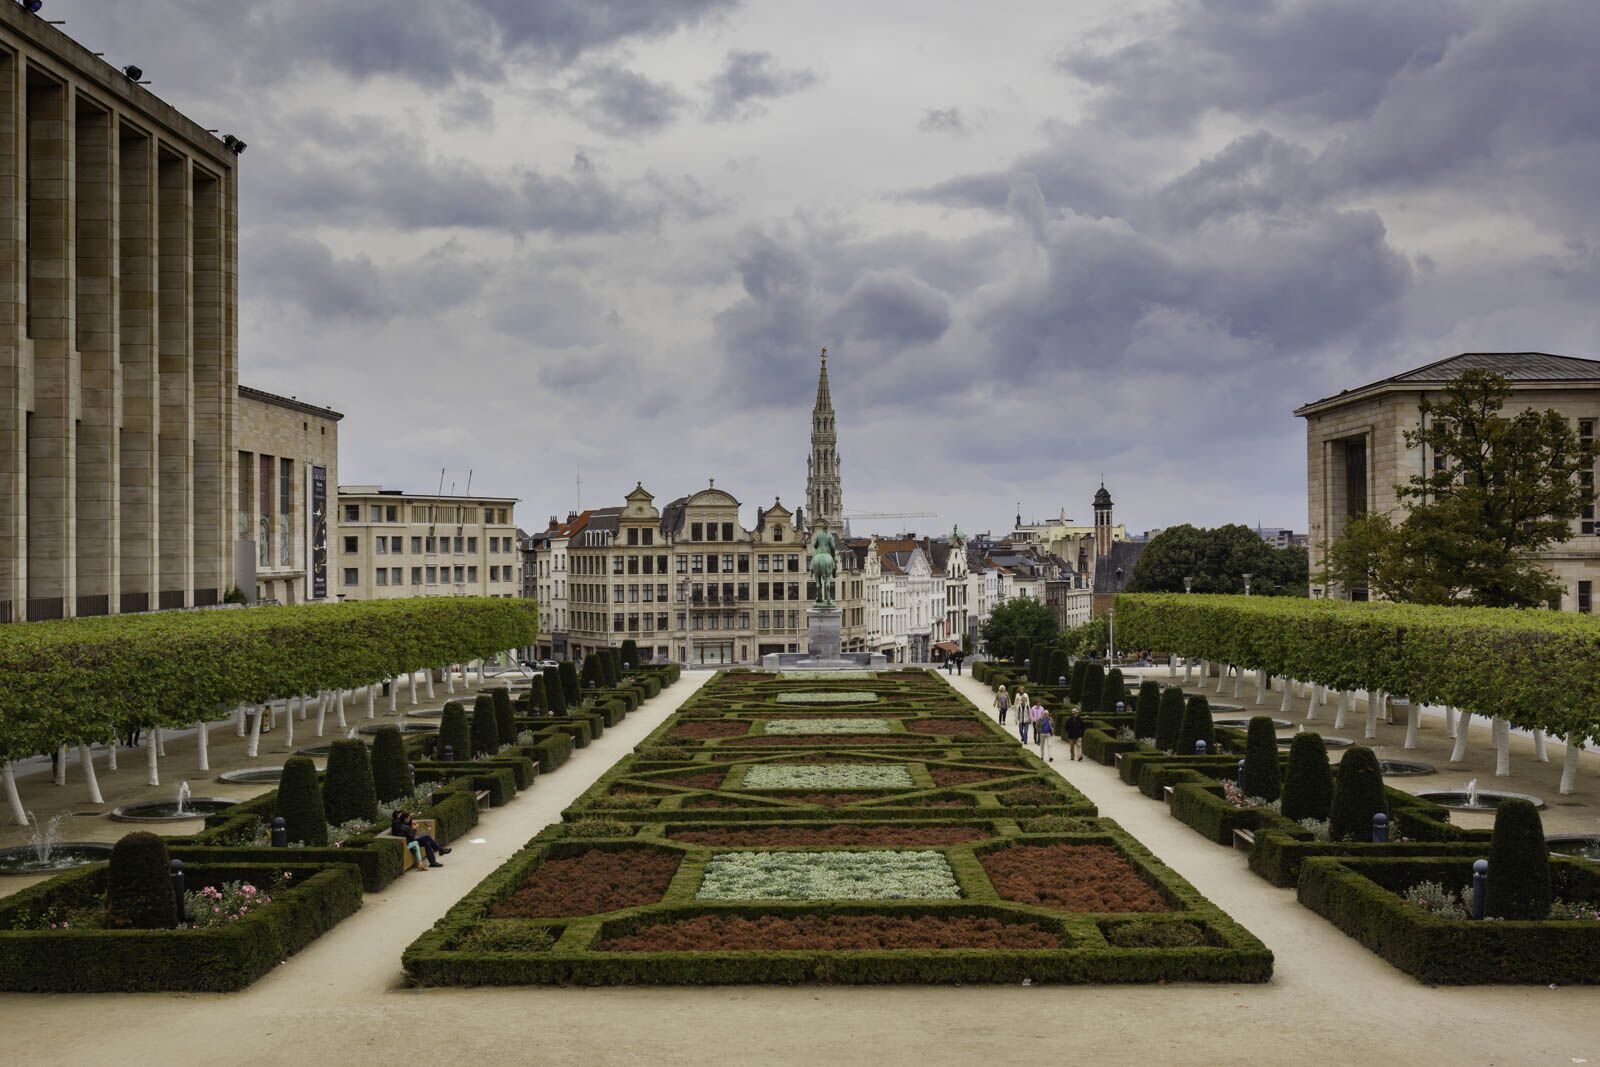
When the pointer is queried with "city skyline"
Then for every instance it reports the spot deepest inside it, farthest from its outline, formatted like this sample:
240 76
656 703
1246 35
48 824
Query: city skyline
1032 261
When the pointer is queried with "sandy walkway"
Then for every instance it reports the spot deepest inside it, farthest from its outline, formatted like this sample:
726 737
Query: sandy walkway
1333 1002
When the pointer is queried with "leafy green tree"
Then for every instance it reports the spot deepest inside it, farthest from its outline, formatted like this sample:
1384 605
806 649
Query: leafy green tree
1308 782
300 802
485 730
1218 559
1196 726
1015 625
1169 718
391 772
348 789
1519 865
139 885
1357 796
1092 635
1501 490
1262 776
1146 709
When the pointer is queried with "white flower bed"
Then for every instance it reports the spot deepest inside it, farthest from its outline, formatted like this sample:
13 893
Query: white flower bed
826 676
920 875
827 726
828 776
818 696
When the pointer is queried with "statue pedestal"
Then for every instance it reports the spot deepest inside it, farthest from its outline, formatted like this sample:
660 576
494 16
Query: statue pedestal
822 632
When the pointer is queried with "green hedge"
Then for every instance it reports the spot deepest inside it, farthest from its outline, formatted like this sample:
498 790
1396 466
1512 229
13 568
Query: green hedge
1360 897
500 781
1281 850
143 961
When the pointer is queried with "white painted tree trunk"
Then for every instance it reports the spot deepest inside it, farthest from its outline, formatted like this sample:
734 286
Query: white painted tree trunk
59 771
1450 721
394 686
1346 698
411 679
1261 686
253 744
1188 670
1376 699
1222 679
372 711
449 681
1569 764
1413 725
1463 721
89 778
288 720
1172 666
1324 698
152 773
202 744
427 682
1238 684
19 814
111 751
1311 703
161 744
340 708
1501 731
322 711
238 720
1539 752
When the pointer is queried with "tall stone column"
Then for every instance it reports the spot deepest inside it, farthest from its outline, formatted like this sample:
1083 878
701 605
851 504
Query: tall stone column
13 404
175 349
98 468
213 395
138 331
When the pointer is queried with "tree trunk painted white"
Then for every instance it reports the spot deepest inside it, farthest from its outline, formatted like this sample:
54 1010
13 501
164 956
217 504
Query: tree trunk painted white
59 771
1539 752
322 711
288 721
1569 764
1238 684
1450 721
394 686
238 720
1188 670
161 744
1288 695
1324 698
411 680
449 681
427 681
19 814
202 744
89 778
253 744
340 708
111 751
1222 679
1311 703
1463 721
1413 724
1501 731
1376 700
1172 665
152 773
1342 707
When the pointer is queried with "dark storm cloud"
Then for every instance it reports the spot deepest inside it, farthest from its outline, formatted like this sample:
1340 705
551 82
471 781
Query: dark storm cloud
302 273
623 102
893 307
942 119
746 79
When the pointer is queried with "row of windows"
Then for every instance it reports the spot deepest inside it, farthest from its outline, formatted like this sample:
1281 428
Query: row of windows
429 575
426 513
384 545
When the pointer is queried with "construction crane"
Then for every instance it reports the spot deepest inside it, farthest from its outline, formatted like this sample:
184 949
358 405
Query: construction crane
891 514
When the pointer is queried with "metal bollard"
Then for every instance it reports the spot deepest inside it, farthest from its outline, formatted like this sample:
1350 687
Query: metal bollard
1480 885
1238 774
176 866
1062 680
1380 827
1121 707
1199 748
280 833
449 754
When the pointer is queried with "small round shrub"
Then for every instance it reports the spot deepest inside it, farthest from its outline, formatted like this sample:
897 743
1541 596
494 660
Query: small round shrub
1262 777
300 802
505 716
1196 726
1094 680
1169 718
1112 690
1519 865
348 791
1145 709
485 731
453 732
567 671
139 885
391 772
1307 783
1357 796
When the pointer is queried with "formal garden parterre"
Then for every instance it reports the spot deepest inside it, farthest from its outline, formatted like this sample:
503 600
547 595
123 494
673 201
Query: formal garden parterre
935 850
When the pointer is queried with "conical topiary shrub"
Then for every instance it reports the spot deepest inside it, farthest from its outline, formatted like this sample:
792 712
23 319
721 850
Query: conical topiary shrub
1307 783
1357 796
347 787
1080 670
1519 865
300 802
139 885
1196 726
535 698
1145 708
569 682
485 732
1112 690
505 717
613 666
453 733
1060 666
391 773
1261 774
1169 718
555 692
1094 680
593 675
630 655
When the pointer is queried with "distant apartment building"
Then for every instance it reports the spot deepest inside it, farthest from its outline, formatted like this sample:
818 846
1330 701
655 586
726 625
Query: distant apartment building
118 338
394 544
288 471
1356 453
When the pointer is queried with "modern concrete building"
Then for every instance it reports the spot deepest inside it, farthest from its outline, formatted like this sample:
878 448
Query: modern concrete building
288 468
393 544
118 338
1356 453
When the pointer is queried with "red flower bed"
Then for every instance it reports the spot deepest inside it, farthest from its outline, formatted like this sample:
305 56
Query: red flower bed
963 775
711 802
592 882
700 730
705 780
716 933
762 836
949 728
1071 878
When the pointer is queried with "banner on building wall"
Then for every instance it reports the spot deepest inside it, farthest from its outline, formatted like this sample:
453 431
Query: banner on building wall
317 516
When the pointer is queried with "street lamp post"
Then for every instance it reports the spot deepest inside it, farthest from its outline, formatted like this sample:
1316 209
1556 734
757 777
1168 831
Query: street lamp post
1188 584
1247 583
688 619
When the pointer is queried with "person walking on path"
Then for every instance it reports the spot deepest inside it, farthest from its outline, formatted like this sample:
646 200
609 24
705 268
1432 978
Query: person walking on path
1002 703
1044 733
1074 728
1022 703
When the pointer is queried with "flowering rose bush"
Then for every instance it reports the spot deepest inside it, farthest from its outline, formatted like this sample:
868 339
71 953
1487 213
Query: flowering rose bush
829 776
827 726
212 906
919 875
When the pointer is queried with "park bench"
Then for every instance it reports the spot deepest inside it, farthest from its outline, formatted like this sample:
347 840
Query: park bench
1244 840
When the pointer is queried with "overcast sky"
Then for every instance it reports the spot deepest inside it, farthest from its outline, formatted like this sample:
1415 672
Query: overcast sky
1042 240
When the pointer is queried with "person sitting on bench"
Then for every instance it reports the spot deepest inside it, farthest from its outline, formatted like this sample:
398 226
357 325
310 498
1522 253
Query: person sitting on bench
402 826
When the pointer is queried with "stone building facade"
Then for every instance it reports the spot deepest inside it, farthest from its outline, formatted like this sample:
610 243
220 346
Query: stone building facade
118 338
1356 453
393 544
285 517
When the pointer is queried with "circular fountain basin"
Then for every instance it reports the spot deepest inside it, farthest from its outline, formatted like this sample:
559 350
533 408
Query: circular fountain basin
1217 706
63 857
436 713
1327 740
1243 724
1404 768
1488 799
251 775
403 727
167 810
1575 846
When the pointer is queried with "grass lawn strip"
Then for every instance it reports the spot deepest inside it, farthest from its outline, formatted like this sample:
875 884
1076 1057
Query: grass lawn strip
827 726
828 776
918 875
